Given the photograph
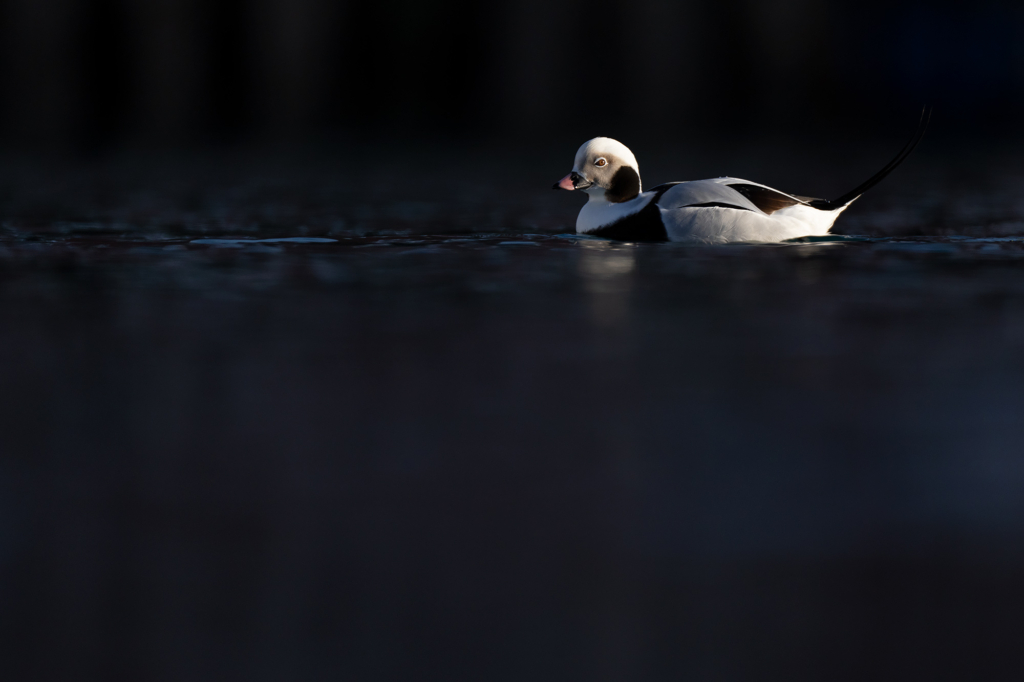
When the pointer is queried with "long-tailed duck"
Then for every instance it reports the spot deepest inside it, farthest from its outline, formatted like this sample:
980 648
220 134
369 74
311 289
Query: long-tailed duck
701 211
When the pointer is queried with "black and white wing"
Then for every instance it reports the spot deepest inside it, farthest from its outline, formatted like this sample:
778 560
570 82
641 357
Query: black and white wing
732 193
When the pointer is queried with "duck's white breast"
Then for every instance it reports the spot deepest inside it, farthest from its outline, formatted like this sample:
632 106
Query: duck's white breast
598 213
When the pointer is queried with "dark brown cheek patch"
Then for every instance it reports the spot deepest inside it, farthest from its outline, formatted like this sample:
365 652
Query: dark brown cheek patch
625 185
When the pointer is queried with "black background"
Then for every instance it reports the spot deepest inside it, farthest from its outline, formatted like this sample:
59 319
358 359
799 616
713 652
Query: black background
96 74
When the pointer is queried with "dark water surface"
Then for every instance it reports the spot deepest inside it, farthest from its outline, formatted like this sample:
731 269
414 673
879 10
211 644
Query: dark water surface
504 453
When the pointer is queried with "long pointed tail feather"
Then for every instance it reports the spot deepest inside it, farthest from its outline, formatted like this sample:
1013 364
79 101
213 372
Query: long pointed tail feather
854 194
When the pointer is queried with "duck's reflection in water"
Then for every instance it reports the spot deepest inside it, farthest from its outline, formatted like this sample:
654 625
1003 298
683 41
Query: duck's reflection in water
606 270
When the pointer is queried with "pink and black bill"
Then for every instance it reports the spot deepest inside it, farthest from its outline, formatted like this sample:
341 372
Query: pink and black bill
572 181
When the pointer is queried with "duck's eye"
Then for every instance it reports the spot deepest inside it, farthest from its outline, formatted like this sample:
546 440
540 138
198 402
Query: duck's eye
601 163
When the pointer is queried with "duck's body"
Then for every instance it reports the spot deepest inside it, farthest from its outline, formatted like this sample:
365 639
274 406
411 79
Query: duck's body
707 212
716 211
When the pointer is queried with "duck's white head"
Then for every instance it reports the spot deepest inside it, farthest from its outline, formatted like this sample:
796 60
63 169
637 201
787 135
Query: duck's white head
606 170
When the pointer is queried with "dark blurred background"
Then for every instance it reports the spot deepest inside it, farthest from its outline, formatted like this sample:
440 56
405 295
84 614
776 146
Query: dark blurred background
453 445
95 74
